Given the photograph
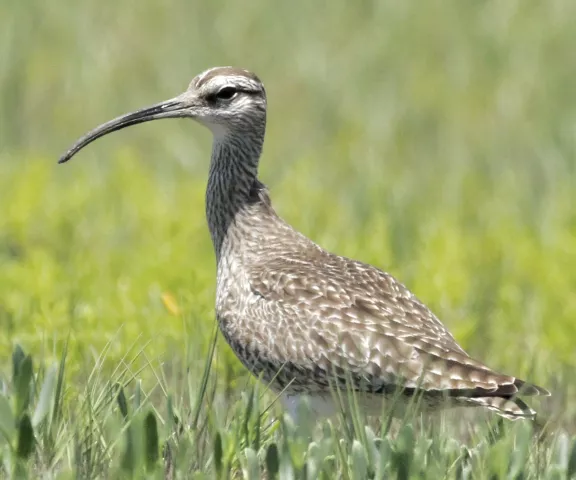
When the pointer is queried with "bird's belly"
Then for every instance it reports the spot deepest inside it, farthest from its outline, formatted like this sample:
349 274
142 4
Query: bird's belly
257 359
324 397
285 376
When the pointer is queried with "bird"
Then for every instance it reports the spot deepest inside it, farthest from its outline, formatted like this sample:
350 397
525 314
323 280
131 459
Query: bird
307 322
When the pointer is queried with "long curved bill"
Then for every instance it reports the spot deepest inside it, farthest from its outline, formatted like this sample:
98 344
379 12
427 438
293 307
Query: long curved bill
174 108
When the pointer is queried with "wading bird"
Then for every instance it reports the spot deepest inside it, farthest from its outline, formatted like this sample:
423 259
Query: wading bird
306 321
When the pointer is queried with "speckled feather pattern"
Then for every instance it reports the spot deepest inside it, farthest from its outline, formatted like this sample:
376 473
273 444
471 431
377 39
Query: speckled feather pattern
307 320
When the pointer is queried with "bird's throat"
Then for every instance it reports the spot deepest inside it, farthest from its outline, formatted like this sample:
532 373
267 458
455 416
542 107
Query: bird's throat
233 172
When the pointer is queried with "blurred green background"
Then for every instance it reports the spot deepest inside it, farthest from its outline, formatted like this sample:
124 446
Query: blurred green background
436 140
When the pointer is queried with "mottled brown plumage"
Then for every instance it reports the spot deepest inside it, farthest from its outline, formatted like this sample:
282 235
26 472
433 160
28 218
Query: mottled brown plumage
305 320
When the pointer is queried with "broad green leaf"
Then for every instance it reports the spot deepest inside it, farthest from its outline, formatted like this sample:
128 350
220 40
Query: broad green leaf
384 456
371 448
122 402
129 457
184 453
252 471
404 452
313 460
272 461
26 440
22 386
218 454
358 461
563 450
46 396
571 469
151 442
18 357
286 470
7 420
519 454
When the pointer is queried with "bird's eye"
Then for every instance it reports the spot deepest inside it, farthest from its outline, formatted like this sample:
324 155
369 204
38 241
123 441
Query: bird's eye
226 93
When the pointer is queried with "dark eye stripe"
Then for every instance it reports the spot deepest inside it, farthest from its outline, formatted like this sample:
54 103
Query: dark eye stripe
213 97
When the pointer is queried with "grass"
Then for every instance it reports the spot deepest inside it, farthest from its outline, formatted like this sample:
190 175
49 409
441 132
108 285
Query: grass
192 431
435 140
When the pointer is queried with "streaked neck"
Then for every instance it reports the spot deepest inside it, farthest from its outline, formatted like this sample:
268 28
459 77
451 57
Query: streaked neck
231 181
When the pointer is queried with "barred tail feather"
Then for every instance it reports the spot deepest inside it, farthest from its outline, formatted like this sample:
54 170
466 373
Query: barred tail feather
510 408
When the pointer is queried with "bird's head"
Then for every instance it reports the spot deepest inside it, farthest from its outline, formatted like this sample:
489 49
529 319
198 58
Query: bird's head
227 100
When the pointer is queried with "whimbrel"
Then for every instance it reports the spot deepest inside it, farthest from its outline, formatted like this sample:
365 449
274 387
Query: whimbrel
303 319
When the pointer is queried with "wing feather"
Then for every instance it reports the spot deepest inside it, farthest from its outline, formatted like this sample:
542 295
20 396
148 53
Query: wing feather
346 318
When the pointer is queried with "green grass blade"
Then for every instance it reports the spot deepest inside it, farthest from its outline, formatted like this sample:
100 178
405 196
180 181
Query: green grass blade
59 392
205 376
